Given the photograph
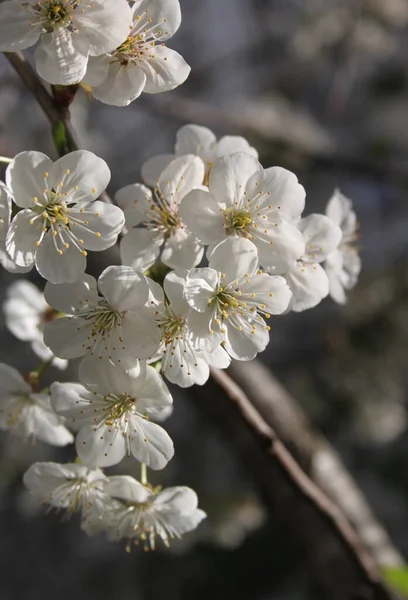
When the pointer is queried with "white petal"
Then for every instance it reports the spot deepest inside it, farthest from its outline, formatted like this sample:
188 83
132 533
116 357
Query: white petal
162 11
174 284
140 335
7 263
151 444
243 345
123 288
181 499
59 268
107 24
140 249
184 368
97 70
153 168
11 382
64 339
46 426
309 284
123 84
127 488
340 210
22 237
165 70
71 297
271 292
236 258
135 200
182 250
229 144
102 377
102 224
42 479
59 60
101 447
82 170
203 216
286 194
280 246
195 139
218 358
16 32
25 177
66 399
321 235
229 176
181 176
200 287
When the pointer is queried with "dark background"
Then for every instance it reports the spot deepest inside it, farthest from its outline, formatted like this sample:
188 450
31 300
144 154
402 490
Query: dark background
319 87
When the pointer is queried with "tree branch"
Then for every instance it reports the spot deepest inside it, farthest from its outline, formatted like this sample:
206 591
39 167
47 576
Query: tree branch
350 571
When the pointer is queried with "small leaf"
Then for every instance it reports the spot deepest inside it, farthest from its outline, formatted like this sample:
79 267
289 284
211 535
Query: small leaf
397 578
60 138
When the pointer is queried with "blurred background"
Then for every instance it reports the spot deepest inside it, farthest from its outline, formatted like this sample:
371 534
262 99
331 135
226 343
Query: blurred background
319 87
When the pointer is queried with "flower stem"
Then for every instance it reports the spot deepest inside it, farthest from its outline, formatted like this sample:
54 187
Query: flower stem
34 376
5 159
143 473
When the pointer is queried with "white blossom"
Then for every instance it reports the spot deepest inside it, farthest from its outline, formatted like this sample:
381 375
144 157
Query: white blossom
307 279
74 488
157 213
111 409
150 513
142 62
61 217
5 215
114 326
29 414
25 314
200 141
248 201
229 297
343 266
181 362
69 32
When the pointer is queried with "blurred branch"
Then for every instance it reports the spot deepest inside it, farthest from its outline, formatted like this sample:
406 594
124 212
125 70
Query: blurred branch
315 455
231 122
344 569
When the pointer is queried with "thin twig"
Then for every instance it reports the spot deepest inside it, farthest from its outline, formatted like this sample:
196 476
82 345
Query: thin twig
279 455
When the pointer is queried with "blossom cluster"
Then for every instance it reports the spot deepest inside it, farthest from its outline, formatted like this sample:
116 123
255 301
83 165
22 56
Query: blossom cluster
212 247
115 46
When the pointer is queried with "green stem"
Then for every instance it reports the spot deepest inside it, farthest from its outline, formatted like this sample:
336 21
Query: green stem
35 376
5 159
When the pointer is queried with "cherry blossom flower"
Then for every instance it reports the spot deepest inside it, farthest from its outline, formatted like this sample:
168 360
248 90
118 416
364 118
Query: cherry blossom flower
142 62
112 410
5 215
157 211
343 266
181 362
244 200
114 326
25 314
61 217
69 32
150 513
229 297
307 279
29 414
200 141
74 488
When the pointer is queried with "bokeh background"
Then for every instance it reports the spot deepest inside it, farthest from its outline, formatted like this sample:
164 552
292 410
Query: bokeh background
319 87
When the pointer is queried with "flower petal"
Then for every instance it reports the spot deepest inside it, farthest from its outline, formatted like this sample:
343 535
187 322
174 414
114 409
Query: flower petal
200 287
123 84
174 285
165 69
152 168
270 292
25 177
230 144
321 235
309 284
98 225
182 250
22 236
71 297
203 216
152 17
123 288
100 447
181 176
84 176
151 444
140 249
280 247
59 59
11 382
229 176
195 139
16 30
67 337
235 257
104 24
280 189
243 345
127 488
69 266
135 200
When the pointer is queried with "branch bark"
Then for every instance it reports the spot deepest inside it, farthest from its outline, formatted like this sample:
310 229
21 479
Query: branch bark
343 568
316 456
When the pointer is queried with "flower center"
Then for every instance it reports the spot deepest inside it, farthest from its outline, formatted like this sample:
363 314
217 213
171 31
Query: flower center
104 318
171 328
55 13
236 221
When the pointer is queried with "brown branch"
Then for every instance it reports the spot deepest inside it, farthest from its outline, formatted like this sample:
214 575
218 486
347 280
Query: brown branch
351 572
315 455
